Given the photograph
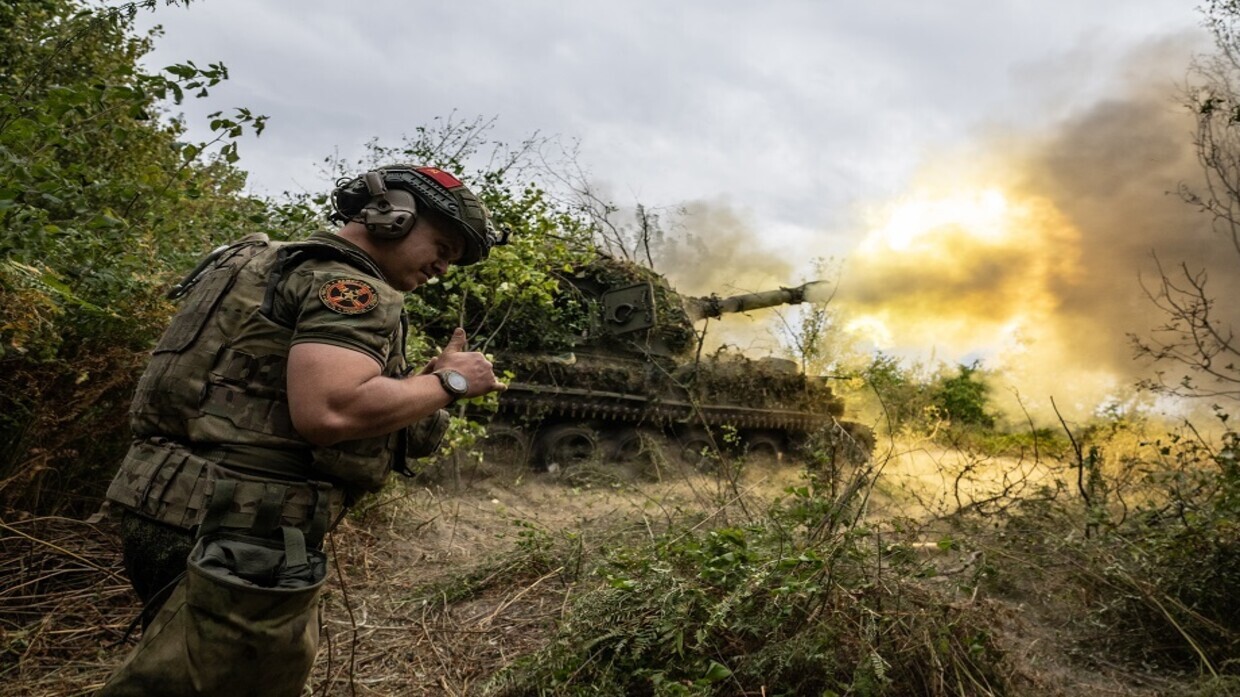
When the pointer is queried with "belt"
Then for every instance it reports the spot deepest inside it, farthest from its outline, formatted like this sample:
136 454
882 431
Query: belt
165 481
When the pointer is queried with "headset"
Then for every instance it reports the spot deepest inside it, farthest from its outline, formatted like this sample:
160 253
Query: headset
388 214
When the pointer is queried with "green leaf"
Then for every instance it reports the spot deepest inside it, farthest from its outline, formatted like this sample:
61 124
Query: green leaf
182 70
716 672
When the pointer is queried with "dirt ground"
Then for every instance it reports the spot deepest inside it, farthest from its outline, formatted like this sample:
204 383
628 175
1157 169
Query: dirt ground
434 587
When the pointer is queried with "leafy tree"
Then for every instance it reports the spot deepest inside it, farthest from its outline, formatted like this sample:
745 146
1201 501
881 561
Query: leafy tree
102 201
963 398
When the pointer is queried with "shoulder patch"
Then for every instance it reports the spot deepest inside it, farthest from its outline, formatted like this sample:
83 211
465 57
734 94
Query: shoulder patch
349 296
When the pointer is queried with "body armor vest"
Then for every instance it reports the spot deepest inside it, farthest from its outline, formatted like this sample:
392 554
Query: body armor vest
212 402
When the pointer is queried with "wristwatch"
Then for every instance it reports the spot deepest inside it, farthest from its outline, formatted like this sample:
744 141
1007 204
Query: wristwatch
455 384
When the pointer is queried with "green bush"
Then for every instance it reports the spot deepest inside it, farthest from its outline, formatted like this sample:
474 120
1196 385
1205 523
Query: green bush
1174 563
919 400
963 398
800 602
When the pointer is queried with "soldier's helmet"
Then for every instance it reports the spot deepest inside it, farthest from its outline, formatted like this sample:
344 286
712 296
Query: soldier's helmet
386 201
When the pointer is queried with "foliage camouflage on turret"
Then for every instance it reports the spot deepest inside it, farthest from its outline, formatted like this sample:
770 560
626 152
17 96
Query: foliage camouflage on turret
672 324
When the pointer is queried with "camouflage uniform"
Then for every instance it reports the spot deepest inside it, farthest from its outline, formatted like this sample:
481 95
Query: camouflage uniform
212 402
218 484
218 475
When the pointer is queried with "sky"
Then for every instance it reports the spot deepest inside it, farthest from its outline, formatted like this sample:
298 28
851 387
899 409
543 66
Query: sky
991 177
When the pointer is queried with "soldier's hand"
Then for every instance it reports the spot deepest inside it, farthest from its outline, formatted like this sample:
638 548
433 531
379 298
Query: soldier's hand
472 364
456 344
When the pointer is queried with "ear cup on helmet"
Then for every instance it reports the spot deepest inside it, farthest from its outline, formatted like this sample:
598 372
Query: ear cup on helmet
348 198
390 215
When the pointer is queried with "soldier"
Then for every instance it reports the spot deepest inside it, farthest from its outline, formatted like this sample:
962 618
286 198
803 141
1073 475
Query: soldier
278 394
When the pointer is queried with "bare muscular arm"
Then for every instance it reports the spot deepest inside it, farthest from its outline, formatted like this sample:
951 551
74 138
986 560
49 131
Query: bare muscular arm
336 394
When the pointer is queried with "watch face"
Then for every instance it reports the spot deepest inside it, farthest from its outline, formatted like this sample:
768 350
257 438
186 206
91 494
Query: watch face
456 382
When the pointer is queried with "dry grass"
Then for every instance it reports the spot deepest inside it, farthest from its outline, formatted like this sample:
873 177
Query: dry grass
429 592
429 605
64 601
65 606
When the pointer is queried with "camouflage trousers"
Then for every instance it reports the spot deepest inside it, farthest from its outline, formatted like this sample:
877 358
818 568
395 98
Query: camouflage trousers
154 555
243 622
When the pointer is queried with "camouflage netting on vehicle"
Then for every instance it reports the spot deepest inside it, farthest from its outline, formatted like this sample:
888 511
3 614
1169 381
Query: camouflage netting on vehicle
570 321
730 378
584 371
661 362
724 378
633 360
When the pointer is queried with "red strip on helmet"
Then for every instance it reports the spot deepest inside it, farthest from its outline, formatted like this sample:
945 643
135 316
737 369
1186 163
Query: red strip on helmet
441 177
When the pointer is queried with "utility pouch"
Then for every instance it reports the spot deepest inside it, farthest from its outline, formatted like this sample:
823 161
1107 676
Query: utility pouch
242 623
425 436
362 464
162 481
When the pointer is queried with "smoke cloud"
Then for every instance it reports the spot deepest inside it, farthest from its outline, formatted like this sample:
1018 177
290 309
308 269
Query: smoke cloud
1031 255
720 252
1027 251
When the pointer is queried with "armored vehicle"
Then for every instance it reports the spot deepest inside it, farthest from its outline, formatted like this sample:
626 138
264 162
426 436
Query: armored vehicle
635 374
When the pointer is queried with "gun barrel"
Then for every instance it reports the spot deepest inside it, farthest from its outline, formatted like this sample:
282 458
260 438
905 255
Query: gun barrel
715 306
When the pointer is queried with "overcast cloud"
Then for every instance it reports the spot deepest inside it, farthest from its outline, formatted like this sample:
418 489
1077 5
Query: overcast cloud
792 112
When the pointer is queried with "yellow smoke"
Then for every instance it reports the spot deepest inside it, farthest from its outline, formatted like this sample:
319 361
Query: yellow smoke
967 267
1034 251
1034 261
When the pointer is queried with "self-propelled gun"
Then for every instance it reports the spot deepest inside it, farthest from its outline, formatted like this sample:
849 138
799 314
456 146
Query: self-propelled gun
634 373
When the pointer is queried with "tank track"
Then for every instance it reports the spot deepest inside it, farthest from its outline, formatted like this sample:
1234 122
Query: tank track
528 400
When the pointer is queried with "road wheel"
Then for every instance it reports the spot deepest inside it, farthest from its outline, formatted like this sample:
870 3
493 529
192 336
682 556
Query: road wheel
566 445
625 445
506 446
697 449
764 449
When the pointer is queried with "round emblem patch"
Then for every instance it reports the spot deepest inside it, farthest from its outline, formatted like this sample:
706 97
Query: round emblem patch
349 296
